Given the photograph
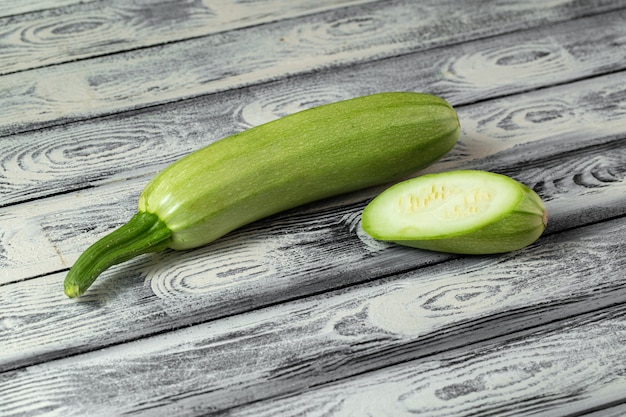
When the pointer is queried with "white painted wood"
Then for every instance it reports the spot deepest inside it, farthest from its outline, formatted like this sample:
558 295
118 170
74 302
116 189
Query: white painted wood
301 313
40 163
482 332
292 255
12 8
502 135
147 77
563 372
106 27
617 410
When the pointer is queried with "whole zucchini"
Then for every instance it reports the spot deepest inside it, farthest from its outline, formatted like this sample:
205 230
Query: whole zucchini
306 156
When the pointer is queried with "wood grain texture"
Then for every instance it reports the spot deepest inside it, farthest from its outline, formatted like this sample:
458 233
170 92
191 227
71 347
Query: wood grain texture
569 328
503 135
13 8
302 313
563 371
87 30
146 77
310 250
616 409
79 155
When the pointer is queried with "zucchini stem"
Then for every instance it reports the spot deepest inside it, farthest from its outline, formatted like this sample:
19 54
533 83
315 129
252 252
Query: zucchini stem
143 233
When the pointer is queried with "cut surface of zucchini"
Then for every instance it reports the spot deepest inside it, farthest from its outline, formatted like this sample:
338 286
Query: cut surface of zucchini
472 212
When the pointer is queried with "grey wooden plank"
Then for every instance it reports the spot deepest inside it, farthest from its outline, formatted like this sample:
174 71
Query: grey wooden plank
613 410
86 30
494 335
503 134
79 155
302 252
565 371
537 322
167 73
13 8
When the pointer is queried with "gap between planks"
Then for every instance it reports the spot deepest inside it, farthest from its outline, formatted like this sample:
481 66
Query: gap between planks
335 397
96 89
345 333
211 297
115 27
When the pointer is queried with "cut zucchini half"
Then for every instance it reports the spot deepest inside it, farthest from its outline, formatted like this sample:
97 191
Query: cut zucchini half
464 212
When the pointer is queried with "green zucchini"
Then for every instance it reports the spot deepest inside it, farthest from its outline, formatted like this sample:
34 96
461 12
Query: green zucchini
464 212
300 158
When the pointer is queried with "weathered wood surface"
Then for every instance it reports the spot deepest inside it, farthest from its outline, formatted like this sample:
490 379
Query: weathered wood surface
266 263
171 72
36 163
559 320
12 8
86 30
302 313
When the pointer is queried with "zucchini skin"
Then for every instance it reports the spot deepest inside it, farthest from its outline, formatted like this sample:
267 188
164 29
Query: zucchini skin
300 158
307 156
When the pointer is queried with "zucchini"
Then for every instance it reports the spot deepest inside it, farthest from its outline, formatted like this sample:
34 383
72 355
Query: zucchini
300 158
464 212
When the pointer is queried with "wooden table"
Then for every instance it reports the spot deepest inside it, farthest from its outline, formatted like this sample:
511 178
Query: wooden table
302 314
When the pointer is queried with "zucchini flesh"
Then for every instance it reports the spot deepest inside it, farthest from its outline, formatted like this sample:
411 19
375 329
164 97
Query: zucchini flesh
465 212
310 155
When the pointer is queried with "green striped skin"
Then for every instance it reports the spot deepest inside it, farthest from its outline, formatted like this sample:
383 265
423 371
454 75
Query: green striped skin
310 155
